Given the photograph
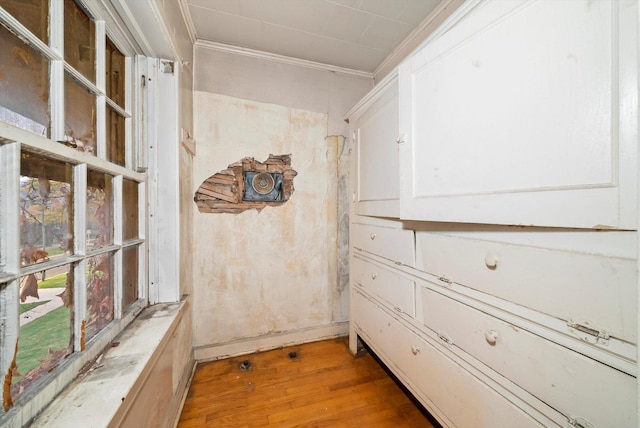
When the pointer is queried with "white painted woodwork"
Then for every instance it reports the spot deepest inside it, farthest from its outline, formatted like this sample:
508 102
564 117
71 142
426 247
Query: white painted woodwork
396 245
573 384
577 282
451 394
160 358
149 369
374 126
9 252
164 209
524 112
80 282
511 113
397 291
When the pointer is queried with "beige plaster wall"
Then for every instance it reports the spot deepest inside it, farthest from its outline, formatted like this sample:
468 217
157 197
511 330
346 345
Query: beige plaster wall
287 85
274 271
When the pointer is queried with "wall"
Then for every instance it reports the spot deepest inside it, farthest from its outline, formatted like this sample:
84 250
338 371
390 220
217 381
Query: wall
274 82
243 307
269 272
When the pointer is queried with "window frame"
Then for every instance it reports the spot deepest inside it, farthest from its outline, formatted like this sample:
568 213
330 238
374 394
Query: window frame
13 140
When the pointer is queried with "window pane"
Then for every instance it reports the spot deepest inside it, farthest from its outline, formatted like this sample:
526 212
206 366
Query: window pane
99 210
80 116
99 293
24 85
45 325
33 14
115 69
115 137
46 208
130 276
130 208
79 40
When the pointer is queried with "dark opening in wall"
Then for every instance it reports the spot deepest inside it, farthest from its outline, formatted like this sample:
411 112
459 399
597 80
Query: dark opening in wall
247 184
262 186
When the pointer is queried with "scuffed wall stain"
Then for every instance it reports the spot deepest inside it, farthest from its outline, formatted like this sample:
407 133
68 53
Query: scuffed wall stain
272 271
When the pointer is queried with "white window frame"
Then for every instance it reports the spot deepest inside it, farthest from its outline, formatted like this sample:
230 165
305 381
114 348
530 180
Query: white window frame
13 140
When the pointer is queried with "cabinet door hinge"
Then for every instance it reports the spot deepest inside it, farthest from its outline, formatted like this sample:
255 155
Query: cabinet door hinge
579 423
598 336
445 338
445 280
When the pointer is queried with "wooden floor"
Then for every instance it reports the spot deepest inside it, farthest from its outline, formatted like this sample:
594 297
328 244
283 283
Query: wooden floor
313 385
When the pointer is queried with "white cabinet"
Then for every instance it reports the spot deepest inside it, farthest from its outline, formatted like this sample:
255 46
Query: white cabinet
394 244
567 381
565 275
374 156
524 113
378 280
450 393
485 289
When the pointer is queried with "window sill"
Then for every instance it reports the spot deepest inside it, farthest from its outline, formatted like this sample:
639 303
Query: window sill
102 396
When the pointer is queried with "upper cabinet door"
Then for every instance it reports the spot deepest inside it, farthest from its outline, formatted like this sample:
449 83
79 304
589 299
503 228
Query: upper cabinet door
524 113
375 177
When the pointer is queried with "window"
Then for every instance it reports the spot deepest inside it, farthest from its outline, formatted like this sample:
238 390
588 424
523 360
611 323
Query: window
72 207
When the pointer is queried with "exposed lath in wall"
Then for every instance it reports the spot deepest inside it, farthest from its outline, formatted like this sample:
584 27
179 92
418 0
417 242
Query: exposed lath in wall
225 191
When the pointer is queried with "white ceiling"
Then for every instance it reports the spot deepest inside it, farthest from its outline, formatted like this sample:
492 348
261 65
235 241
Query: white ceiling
354 34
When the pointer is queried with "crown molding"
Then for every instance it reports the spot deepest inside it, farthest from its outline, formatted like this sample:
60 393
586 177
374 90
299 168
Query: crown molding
144 21
372 96
186 16
280 58
417 37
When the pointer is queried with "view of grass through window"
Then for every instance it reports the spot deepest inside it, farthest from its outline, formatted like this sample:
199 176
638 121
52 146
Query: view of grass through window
46 234
45 330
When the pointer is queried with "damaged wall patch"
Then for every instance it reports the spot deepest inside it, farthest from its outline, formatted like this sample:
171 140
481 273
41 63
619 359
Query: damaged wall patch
247 184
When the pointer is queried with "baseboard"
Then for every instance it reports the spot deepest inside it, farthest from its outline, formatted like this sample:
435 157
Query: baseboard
185 384
269 341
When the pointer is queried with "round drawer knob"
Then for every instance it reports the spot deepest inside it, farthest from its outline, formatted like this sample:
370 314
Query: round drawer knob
372 236
374 275
491 261
415 349
491 337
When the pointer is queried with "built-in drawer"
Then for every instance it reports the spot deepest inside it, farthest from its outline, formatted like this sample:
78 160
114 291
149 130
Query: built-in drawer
583 278
569 382
393 244
399 292
449 392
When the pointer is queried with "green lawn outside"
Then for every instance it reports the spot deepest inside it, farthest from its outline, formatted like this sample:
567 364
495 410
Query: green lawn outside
51 331
54 251
58 281
24 307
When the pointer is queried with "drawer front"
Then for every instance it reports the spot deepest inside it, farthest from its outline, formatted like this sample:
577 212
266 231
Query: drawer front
399 292
393 244
571 383
451 393
572 286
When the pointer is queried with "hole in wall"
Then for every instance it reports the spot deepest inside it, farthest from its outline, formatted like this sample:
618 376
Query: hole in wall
247 184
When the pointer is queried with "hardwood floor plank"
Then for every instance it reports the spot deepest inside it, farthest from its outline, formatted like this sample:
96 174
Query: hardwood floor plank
317 384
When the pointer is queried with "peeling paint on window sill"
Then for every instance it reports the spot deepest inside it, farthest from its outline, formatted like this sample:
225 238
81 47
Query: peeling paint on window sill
104 394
